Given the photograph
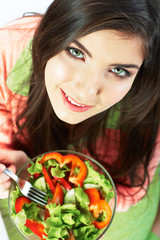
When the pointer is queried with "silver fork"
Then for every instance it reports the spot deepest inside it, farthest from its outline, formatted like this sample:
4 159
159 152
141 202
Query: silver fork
27 189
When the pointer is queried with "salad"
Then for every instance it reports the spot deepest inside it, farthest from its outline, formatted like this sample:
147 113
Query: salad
77 200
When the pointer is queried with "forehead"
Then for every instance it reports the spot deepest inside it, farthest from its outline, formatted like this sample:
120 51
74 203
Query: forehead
115 44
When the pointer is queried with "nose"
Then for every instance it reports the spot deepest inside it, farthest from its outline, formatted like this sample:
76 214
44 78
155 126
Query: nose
88 85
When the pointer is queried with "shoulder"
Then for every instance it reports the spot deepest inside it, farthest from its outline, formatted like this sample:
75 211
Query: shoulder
19 29
13 39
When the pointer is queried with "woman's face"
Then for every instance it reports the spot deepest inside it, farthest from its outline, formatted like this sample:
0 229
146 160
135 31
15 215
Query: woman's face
92 74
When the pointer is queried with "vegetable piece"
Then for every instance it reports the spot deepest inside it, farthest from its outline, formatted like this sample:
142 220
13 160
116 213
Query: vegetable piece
99 206
58 195
74 160
93 195
82 199
64 183
46 214
36 227
76 163
70 197
36 175
91 185
52 155
20 201
48 180
40 183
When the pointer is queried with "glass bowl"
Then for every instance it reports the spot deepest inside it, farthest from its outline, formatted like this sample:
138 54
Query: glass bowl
96 165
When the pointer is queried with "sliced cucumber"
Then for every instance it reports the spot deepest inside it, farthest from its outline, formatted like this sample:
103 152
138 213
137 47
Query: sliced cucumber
70 198
40 183
91 185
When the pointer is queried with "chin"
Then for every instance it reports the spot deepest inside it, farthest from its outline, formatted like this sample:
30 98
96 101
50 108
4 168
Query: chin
71 122
68 120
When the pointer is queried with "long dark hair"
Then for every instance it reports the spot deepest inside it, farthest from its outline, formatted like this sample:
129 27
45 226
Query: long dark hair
137 126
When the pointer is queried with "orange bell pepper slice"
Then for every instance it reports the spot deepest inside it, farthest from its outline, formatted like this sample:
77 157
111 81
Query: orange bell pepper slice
75 162
64 183
20 201
52 155
98 206
58 195
36 227
93 195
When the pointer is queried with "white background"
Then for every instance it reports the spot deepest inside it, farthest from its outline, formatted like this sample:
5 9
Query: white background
12 9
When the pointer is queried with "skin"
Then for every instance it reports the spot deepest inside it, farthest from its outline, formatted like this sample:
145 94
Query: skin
95 76
14 160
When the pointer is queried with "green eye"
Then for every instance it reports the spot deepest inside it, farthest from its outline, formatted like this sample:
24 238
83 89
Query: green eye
120 72
76 52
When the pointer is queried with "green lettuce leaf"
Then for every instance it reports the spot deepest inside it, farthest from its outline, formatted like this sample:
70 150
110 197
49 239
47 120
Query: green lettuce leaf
82 199
95 178
35 167
86 232
32 211
20 220
14 195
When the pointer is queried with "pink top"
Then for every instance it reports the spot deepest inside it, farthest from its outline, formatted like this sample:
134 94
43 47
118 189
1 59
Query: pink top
13 39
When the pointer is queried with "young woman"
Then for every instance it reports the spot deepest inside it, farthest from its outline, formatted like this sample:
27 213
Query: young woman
86 76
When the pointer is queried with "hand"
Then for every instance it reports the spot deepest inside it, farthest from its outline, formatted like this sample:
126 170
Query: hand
13 160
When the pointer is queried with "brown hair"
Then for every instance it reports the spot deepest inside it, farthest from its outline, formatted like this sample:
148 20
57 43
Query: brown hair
138 123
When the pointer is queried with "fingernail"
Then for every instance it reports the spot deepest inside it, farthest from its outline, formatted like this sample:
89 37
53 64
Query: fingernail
2 167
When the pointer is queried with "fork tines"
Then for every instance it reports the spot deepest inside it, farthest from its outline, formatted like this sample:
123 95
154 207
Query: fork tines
37 196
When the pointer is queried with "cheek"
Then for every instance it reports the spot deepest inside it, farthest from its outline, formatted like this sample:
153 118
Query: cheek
115 93
56 72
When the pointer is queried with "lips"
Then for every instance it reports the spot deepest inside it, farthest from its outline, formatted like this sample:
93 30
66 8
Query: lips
73 104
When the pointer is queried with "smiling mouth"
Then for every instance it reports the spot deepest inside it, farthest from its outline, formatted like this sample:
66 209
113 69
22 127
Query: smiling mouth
73 104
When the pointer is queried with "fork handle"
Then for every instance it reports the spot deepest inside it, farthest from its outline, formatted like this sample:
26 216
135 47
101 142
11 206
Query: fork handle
11 174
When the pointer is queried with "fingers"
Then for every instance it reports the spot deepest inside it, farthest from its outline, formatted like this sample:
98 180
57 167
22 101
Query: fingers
4 194
2 167
15 157
4 189
4 177
5 186
12 159
5 181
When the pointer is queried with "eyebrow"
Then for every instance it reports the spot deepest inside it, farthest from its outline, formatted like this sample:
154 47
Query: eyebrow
83 48
125 65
